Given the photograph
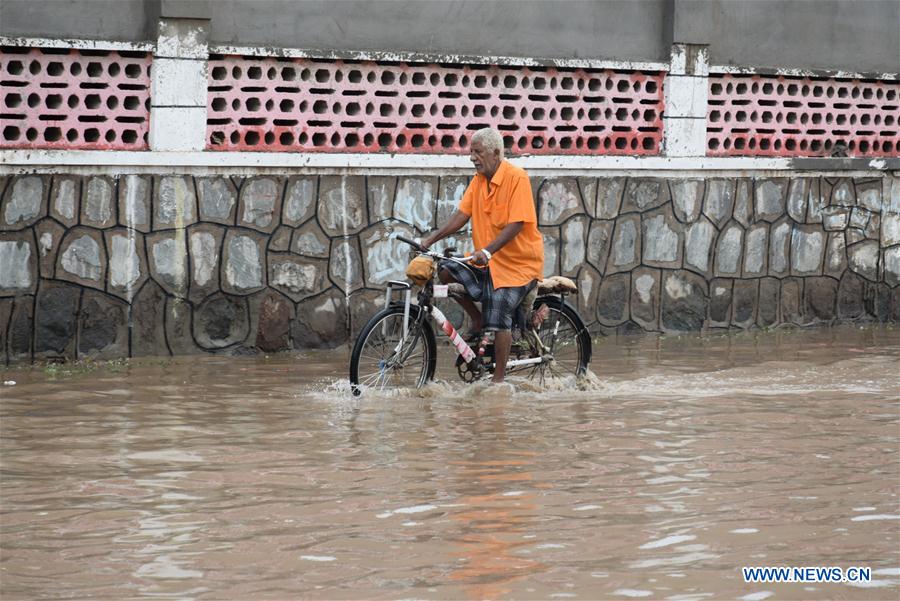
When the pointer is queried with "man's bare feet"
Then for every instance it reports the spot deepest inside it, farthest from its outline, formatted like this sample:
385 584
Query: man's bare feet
538 316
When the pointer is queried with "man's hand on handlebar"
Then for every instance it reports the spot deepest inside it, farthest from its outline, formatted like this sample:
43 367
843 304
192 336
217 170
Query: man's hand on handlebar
421 247
479 258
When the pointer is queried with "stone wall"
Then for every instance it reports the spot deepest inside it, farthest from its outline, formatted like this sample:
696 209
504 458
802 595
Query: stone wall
155 265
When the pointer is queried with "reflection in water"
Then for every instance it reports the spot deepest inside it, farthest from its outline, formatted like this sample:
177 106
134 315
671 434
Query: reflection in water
683 460
494 517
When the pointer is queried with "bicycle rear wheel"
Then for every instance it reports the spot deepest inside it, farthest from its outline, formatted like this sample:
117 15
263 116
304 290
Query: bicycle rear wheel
383 358
571 346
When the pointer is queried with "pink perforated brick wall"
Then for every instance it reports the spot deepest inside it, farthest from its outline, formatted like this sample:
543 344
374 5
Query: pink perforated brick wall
764 115
272 104
72 99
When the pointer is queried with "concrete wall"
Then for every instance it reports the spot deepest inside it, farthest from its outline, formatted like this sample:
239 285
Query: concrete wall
825 34
578 29
855 35
121 20
98 266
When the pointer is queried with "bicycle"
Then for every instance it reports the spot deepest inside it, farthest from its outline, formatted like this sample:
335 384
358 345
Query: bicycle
397 346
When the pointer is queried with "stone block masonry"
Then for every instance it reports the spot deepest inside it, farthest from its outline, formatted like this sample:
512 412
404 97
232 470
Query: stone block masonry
144 264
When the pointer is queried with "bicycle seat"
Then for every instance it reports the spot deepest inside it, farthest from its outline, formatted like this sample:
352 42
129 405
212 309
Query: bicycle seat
556 284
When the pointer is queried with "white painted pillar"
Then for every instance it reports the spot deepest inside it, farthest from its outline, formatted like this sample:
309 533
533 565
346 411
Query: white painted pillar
686 92
178 85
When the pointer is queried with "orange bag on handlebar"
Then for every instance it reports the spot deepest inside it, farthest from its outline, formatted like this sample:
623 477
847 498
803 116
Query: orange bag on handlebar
420 269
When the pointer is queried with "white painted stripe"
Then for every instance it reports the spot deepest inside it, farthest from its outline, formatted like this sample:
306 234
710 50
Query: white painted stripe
796 72
77 44
94 161
420 57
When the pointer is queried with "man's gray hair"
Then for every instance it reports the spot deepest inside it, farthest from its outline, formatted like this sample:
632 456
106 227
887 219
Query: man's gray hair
490 138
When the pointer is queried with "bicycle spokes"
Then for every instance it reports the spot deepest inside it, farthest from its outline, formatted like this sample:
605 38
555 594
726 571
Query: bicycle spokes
392 353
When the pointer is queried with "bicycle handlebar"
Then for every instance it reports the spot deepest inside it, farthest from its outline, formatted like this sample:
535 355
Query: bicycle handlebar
431 253
413 243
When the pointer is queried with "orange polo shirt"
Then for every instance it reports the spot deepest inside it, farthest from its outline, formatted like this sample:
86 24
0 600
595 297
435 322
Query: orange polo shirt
492 206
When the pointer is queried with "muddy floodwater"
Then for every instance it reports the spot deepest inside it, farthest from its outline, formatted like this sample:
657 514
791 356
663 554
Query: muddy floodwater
681 461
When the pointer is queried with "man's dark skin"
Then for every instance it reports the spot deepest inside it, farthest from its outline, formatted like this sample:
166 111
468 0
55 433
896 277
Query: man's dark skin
486 163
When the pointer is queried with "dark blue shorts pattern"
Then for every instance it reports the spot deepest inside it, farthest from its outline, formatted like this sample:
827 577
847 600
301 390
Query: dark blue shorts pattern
498 305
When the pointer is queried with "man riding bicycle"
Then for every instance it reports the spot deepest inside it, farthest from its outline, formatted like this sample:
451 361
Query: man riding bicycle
509 256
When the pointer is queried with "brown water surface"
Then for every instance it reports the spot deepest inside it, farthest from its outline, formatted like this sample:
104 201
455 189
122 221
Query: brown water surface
683 460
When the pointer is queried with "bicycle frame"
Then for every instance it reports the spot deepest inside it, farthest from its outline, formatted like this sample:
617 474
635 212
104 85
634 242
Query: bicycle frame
426 308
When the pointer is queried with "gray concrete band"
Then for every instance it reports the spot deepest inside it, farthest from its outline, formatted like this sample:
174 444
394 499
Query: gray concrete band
828 34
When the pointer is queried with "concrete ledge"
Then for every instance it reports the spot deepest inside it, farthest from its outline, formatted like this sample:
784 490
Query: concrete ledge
429 57
78 44
799 72
51 161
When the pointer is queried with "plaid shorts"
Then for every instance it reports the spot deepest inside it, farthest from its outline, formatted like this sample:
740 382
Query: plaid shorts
498 305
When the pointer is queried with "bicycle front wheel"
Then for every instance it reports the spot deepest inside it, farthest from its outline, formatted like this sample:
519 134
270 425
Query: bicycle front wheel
385 358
